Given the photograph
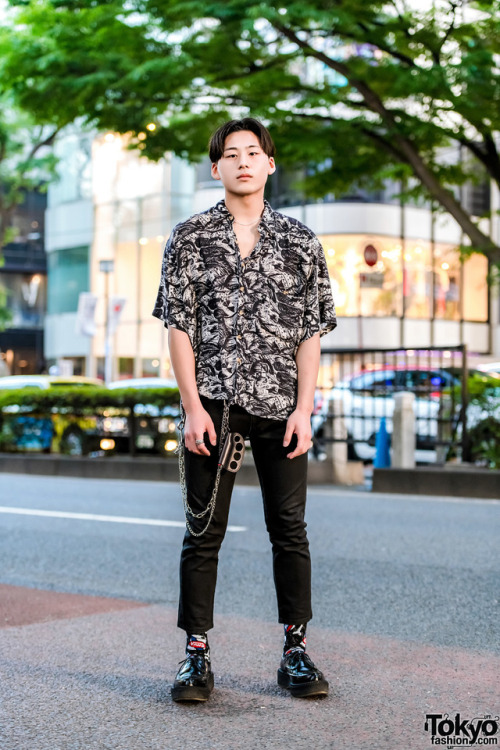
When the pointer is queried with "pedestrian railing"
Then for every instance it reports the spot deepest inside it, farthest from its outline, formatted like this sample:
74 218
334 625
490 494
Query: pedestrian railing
357 391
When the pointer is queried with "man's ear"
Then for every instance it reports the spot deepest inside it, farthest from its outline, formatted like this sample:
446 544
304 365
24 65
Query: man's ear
272 165
215 172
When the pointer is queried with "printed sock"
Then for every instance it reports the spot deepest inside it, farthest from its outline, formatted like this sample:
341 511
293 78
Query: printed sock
198 644
295 638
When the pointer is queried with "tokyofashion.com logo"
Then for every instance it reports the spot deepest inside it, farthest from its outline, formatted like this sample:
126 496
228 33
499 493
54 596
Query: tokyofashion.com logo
458 732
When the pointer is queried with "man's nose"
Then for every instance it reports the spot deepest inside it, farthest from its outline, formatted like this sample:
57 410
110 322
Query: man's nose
242 161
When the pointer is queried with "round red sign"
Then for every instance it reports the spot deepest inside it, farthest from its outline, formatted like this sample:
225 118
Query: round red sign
371 255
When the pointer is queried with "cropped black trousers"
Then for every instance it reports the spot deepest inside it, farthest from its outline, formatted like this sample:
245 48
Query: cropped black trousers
283 483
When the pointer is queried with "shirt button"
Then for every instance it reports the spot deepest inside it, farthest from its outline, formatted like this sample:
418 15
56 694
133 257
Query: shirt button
241 312
242 288
239 361
238 336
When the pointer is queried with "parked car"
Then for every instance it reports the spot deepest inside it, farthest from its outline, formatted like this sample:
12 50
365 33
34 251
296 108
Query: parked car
363 399
14 382
490 368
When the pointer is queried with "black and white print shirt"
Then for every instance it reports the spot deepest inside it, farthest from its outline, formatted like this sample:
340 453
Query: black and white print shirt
246 317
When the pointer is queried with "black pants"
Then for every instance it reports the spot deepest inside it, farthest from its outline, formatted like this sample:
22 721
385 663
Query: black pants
283 483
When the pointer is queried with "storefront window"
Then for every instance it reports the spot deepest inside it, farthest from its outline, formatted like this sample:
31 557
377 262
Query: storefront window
447 274
417 279
359 288
370 274
475 302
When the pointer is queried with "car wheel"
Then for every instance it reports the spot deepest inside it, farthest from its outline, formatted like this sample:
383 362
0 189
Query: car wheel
74 442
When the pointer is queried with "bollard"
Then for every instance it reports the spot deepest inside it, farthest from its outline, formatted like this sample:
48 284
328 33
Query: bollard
403 431
342 470
382 458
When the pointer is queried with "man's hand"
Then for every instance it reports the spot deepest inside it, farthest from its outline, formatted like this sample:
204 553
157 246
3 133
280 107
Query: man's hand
199 421
299 422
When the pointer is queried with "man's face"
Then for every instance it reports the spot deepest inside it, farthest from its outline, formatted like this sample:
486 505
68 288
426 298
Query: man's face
244 167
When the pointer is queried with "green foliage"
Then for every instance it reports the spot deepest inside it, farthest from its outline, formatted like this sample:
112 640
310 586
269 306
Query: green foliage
84 400
355 91
484 420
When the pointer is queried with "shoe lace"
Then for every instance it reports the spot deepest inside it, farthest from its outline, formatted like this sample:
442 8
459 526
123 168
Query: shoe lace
298 655
193 657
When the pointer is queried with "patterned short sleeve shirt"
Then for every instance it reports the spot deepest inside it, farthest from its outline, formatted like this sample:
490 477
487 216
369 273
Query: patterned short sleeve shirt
246 318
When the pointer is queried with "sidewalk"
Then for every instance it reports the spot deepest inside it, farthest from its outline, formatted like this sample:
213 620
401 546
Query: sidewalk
98 678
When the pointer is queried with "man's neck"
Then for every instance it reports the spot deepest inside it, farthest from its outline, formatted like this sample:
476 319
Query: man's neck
245 208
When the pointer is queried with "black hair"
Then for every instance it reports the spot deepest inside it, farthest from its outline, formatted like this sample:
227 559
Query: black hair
218 139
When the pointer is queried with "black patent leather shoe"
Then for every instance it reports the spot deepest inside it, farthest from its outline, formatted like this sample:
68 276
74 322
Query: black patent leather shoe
194 681
298 674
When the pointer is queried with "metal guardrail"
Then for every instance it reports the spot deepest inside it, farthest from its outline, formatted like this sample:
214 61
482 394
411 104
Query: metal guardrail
357 391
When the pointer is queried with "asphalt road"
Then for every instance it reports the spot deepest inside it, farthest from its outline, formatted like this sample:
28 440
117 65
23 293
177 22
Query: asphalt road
397 580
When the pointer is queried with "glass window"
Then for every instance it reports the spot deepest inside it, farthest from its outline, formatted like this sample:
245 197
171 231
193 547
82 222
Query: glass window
446 282
359 288
150 368
417 279
68 276
125 368
377 380
475 302
25 298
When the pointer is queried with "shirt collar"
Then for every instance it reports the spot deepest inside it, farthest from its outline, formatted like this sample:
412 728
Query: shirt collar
220 211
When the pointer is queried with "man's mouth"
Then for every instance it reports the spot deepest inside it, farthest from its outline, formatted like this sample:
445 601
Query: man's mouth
243 176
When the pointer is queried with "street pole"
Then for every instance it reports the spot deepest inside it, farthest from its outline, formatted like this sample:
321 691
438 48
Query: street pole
106 267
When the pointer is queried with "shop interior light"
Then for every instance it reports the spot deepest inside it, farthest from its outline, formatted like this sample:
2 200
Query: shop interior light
107 444
142 136
151 126
143 241
445 266
170 445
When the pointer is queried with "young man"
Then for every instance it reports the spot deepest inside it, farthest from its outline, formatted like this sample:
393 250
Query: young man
246 296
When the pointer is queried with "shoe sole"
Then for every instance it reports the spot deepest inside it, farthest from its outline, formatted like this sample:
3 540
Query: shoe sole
192 692
307 690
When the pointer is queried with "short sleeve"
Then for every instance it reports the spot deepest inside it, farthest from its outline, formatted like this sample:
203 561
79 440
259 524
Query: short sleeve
319 309
175 303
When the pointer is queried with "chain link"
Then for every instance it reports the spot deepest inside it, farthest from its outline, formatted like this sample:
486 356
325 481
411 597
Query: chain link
182 473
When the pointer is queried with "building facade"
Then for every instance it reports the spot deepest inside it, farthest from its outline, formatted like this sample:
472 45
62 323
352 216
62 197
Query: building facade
23 289
396 272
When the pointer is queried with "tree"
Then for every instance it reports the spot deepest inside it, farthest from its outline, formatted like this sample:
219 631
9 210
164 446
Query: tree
356 91
26 163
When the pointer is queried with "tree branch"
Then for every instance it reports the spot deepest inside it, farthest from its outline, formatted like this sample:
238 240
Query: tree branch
46 142
406 147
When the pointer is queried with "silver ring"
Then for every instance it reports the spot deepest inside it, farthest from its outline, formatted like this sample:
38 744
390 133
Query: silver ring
199 442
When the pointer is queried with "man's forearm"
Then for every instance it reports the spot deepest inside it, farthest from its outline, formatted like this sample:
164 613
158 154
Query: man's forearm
307 359
183 363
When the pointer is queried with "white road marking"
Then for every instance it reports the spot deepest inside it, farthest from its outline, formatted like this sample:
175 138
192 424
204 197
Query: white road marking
106 519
